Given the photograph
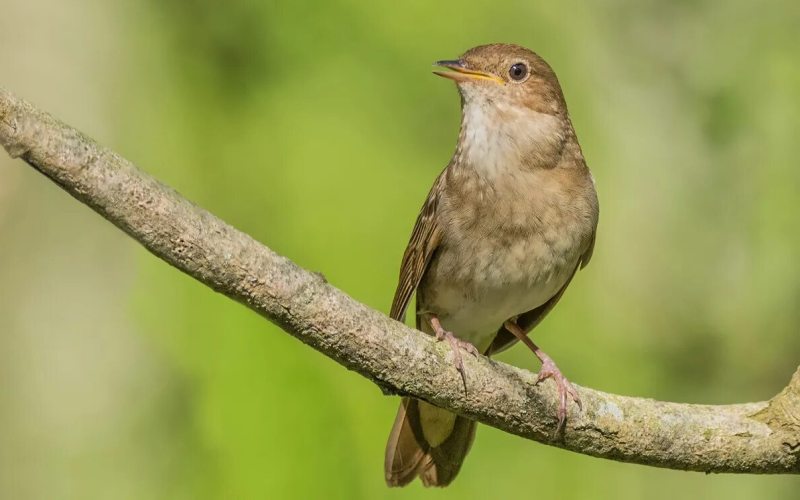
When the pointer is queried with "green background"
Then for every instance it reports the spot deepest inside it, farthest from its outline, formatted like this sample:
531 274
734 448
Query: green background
317 127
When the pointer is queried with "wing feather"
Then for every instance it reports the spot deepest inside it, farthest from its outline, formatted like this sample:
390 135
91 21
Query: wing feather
425 239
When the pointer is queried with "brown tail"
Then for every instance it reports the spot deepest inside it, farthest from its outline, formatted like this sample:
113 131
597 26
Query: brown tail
409 452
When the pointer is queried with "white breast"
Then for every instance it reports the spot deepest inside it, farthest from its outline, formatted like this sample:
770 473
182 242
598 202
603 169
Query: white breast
495 137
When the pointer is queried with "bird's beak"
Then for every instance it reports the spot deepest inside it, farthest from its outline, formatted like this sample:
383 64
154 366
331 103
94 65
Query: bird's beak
460 73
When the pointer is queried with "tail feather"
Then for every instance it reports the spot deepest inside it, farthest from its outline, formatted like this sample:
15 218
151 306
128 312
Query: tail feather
405 457
408 453
447 458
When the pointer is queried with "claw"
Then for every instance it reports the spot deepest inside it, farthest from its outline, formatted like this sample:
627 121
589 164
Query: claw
456 344
566 390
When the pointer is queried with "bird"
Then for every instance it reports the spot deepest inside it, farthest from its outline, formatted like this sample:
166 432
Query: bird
502 232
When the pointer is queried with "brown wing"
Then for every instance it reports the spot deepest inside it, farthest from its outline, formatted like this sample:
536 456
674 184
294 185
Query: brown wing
529 320
424 240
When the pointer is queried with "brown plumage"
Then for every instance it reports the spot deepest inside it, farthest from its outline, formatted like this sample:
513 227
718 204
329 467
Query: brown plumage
504 228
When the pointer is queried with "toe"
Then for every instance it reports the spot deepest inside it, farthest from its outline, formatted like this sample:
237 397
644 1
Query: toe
562 416
540 377
573 394
544 373
462 372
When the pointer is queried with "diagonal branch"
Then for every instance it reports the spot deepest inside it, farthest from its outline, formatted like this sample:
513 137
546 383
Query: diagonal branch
754 437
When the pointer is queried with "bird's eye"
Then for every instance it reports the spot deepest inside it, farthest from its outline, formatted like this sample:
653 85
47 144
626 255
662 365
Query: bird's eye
518 71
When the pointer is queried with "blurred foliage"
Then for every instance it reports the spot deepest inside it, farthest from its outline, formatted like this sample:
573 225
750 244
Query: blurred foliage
317 128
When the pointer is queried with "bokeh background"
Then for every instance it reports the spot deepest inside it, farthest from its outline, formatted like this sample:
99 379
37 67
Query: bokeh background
317 127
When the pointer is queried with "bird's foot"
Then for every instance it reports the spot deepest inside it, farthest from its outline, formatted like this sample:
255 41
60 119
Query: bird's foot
566 390
549 369
456 344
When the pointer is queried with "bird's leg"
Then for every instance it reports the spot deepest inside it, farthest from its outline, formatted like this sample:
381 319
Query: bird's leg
549 370
456 344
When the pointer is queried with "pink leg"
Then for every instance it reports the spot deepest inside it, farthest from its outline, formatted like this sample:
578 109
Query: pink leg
456 344
549 370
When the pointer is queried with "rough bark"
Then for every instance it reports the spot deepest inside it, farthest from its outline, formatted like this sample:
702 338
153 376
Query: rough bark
761 437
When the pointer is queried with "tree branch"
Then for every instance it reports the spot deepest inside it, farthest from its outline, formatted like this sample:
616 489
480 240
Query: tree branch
754 437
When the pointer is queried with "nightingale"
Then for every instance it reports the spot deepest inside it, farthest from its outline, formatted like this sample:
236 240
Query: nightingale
503 230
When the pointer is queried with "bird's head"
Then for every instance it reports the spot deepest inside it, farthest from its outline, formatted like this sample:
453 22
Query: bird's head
512 107
505 76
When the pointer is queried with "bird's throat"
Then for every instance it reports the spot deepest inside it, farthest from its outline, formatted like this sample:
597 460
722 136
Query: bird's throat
494 139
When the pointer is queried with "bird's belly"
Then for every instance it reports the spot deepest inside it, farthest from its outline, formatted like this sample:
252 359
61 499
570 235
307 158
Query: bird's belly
474 290
477 321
